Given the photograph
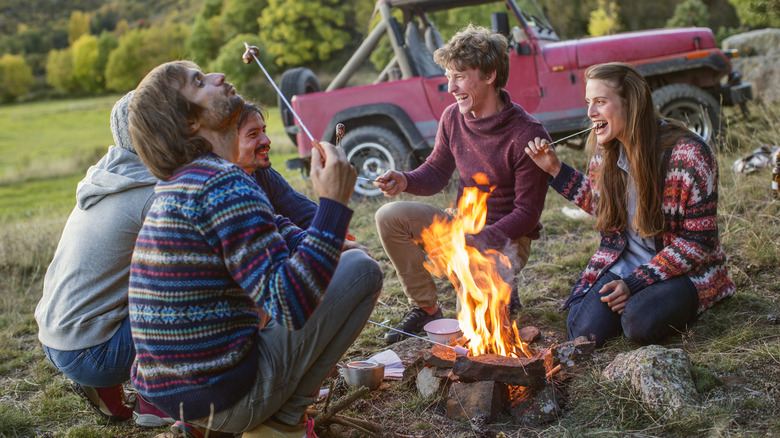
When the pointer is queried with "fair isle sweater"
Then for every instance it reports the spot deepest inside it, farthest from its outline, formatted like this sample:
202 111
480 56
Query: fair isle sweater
211 253
495 146
690 245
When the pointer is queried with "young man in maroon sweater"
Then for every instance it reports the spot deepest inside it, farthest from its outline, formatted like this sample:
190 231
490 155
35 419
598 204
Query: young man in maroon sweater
483 132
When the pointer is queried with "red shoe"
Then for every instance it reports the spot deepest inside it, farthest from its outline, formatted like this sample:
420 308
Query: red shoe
110 403
181 429
147 415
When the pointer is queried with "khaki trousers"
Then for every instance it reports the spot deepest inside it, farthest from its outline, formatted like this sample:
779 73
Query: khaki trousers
401 223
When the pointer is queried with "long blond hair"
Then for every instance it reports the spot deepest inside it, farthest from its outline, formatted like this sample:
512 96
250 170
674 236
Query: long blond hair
645 139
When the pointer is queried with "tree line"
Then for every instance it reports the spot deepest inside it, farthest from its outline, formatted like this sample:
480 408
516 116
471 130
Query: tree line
90 47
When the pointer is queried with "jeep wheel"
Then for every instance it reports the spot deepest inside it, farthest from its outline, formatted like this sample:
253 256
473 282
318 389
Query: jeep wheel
299 80
692 106
374 150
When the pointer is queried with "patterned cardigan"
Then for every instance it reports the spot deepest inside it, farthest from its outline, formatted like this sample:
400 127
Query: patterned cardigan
690 243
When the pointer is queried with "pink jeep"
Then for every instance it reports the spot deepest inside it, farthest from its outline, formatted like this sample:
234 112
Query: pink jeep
391 124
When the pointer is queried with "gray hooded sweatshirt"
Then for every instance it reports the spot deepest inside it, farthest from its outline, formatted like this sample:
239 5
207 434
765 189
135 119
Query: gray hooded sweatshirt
85 288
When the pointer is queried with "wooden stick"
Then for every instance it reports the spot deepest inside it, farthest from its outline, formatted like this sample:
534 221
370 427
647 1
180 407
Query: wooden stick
341 404
553 371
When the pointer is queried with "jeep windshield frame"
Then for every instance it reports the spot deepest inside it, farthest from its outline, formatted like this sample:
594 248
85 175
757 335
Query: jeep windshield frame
536 24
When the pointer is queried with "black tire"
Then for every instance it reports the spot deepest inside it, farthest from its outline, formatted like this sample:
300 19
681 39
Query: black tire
691 105
373 150
299 80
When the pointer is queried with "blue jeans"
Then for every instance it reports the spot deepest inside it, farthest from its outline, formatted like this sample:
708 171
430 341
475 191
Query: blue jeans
651 314
101 366
294 363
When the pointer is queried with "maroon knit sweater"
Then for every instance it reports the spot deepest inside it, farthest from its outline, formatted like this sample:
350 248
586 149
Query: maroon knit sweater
492 145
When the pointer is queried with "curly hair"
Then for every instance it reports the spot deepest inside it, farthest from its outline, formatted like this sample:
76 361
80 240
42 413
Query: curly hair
479 48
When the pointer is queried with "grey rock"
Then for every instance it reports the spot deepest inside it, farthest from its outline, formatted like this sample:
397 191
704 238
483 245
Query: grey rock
661 376
759 61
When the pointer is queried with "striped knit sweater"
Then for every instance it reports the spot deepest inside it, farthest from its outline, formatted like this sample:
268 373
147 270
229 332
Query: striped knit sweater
210 253
690 243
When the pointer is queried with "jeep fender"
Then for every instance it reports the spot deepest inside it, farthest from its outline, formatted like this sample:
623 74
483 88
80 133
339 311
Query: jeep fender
714 62
388 115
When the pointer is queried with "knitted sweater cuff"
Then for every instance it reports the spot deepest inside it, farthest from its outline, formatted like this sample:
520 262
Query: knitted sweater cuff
634 283
564 176
332 217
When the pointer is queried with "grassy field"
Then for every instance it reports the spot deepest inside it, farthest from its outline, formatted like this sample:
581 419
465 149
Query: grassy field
735 346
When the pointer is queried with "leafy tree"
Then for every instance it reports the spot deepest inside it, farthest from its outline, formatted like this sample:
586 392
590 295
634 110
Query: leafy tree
304 31
59 69
689 13
205 39
106 44
77 26
247 78
758 13
15 77
85 54
139 51
644 14
240 16
604 20
569 18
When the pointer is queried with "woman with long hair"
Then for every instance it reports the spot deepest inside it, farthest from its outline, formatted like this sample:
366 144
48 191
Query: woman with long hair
653 186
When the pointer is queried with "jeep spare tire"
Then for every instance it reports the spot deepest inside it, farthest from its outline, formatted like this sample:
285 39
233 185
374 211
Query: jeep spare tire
299 80
374 150
691 105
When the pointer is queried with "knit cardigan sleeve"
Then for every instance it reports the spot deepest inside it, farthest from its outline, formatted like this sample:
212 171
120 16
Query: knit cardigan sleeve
690 204
239 223
578 188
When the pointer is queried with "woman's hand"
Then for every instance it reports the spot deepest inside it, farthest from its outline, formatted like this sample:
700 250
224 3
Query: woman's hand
618 298
543 154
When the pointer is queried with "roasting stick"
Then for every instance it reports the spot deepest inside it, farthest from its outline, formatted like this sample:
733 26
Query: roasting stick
340 130
544 148
251 53
458 349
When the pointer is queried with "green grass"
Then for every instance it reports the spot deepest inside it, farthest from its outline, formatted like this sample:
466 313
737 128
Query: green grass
734 347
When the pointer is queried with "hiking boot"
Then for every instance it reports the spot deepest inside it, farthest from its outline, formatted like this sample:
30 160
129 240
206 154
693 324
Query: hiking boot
147 415
110 403
413 323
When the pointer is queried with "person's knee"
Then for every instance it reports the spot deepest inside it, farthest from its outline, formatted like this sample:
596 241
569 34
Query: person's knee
386 217
361 264
641 329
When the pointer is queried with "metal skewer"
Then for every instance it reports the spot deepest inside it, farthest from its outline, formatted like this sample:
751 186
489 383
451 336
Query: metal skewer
544 148
251 53
458 349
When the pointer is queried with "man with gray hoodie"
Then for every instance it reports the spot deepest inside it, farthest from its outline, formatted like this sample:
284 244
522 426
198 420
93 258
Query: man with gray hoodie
83 315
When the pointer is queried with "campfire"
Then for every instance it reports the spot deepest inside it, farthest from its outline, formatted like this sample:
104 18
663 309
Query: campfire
483 296
501 374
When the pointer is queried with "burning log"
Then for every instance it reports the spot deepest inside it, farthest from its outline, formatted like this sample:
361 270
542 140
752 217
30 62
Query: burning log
510 370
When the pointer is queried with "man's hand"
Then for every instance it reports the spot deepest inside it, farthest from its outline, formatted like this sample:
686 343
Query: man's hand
335 178
392 183
544 156
618 298
351 244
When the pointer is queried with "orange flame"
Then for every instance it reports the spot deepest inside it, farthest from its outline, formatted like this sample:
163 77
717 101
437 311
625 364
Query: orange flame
482 293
